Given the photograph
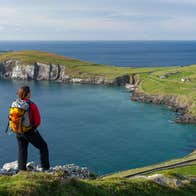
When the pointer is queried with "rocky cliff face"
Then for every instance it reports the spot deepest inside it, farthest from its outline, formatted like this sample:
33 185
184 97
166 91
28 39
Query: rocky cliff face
14 69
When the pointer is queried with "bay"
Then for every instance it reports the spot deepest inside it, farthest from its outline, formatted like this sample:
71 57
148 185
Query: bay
98 127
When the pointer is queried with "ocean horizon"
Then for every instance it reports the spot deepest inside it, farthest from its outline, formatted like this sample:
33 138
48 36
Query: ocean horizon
130 53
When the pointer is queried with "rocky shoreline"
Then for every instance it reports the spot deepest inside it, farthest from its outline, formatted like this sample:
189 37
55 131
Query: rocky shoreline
171 101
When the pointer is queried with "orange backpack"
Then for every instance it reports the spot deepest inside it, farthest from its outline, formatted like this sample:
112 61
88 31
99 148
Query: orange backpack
19 116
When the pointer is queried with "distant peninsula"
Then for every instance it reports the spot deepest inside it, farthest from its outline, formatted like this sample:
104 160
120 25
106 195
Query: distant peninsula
174 86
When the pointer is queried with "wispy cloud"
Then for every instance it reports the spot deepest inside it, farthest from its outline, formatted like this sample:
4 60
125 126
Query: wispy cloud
180 1
104 19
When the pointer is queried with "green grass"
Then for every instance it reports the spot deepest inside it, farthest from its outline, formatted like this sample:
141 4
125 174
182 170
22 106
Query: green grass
34 184
172 85
185 170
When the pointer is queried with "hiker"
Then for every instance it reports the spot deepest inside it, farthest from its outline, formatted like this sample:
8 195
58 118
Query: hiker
24 118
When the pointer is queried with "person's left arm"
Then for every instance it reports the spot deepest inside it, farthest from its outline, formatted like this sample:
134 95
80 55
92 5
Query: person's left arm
35 117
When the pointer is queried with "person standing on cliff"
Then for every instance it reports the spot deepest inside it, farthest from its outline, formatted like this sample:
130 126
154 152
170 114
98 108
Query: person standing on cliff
31 135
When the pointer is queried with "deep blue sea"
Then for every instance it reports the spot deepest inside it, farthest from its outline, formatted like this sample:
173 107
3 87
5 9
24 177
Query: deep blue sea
120 53
98 126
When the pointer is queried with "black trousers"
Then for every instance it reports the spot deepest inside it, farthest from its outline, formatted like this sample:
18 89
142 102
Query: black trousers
37 141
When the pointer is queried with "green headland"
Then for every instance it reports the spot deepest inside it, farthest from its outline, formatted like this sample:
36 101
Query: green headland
174 81
74 66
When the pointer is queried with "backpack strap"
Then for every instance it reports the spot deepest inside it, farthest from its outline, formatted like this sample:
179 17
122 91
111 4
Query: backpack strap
7 128
29 109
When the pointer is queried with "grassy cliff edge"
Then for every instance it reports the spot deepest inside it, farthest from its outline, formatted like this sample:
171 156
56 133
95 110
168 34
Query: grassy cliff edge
181 181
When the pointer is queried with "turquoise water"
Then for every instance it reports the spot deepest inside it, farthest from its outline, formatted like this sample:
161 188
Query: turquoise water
98 127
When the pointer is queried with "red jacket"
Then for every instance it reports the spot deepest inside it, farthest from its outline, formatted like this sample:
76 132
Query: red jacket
35 118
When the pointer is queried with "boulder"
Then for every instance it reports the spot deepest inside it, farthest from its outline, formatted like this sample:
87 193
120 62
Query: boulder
10 166
172 182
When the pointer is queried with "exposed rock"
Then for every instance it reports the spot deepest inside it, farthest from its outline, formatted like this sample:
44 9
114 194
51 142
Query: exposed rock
134 79
168 181
171 101
70 170
31 166
22 72
186 118
186 79
131 87
162 77
76 80
10 166
122 80
74 171
169 74
14 69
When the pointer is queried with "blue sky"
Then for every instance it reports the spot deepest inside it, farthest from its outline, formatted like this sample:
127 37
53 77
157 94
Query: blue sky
98 20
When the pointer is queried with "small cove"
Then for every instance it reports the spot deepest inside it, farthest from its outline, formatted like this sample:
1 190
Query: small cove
98 127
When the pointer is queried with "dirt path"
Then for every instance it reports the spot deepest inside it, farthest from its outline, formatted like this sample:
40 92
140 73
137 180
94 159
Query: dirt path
172 166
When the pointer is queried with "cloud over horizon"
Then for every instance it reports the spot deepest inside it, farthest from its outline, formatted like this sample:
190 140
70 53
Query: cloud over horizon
103 20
